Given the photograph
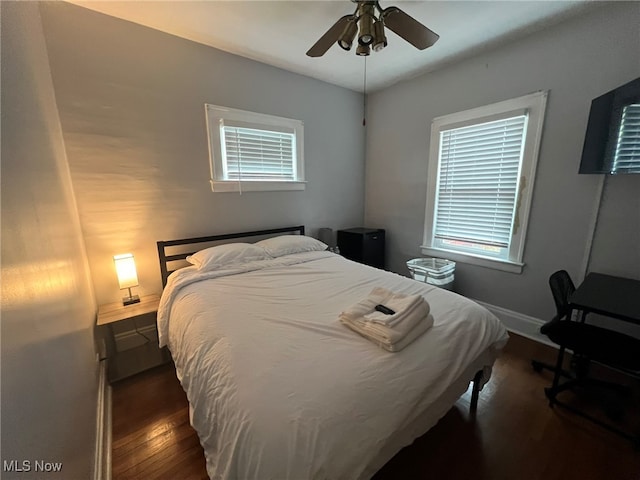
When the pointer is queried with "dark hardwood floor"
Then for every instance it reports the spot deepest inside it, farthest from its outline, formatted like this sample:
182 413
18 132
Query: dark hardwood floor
514 434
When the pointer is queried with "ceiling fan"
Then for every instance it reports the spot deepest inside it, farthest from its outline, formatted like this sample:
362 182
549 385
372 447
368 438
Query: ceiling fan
368 22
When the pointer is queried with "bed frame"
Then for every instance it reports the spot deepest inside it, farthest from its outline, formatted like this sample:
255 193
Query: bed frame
189 246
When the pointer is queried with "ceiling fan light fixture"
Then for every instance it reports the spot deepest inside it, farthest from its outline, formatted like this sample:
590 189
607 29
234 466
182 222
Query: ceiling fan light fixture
369 23
380 40
366 32
348 34
366 25
363 50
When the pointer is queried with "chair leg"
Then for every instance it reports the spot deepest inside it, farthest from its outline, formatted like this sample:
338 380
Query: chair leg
538 366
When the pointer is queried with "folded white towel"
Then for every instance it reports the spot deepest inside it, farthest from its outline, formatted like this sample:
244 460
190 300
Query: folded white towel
401 304
421 327
393 332
367 305
417 304
396 332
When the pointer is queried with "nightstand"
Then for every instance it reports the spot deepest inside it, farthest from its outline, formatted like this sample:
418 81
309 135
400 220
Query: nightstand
133 360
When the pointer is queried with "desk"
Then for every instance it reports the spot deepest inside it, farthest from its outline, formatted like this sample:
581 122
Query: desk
607 295
613 297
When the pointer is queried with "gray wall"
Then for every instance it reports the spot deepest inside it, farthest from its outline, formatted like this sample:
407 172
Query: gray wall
576 61
131 101
616 244
49 371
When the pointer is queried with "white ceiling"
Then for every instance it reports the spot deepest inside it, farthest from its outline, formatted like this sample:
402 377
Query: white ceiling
280 32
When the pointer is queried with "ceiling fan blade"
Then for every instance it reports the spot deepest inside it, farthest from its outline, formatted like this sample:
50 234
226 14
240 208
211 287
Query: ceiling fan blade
329 38
409 28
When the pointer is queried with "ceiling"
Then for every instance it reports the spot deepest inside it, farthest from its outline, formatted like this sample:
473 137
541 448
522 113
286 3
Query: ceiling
279 33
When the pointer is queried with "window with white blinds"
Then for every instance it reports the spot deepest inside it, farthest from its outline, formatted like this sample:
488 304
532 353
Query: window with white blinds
480 181
477 185
252 151
627 154
253 154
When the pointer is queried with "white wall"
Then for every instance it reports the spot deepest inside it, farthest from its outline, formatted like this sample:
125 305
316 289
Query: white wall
576 61
49 371
131 101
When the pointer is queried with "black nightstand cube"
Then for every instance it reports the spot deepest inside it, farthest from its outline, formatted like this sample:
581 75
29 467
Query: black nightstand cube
364 245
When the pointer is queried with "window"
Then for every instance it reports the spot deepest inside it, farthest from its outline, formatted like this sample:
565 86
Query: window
251 151
481 169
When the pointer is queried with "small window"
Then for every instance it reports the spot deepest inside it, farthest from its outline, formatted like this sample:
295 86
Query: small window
254 152
481 169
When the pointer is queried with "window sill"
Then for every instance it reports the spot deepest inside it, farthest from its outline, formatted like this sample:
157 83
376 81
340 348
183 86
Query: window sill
504 265
256 186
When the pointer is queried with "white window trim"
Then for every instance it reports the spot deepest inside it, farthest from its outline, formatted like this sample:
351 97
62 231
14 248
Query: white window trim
254 186
497 264
535 105
216 113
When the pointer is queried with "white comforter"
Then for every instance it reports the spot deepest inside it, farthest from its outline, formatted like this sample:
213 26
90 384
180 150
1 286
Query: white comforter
279 389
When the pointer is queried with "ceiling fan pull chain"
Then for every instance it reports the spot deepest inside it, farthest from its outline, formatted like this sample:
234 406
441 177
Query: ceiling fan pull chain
364 95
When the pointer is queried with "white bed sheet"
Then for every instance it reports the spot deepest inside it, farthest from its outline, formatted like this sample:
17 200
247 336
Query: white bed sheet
279 389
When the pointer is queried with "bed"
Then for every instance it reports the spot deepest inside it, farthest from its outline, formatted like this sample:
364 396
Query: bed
278 388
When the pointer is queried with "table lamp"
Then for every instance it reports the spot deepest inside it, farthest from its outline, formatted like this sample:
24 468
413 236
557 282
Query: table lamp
127 276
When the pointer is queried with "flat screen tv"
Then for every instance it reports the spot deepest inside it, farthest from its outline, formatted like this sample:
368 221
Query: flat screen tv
612 141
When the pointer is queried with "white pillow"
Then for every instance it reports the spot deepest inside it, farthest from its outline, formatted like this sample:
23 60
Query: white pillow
227 254
288 244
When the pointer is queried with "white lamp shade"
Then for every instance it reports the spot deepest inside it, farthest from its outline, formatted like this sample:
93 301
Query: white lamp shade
126 270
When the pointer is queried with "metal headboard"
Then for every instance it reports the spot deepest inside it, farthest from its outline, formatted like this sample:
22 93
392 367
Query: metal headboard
191 244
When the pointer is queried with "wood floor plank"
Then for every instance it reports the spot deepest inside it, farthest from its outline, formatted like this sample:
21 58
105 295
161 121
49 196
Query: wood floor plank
133 453
514 433
158 464
161 429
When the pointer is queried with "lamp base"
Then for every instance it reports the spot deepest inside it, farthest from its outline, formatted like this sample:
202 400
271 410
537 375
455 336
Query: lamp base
131 300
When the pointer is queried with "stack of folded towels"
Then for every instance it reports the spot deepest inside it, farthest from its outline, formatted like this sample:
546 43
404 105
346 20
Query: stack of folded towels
391 331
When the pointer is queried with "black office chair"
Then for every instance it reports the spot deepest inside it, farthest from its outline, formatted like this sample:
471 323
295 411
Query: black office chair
589 343
562 288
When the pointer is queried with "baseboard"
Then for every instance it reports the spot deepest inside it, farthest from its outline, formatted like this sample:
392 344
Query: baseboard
102 466
519 323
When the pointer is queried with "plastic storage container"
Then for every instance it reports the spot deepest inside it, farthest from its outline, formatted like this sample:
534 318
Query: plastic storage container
434 271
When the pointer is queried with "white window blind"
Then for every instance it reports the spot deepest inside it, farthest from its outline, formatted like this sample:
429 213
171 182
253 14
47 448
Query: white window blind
627 153
482 165
478 184
254 152
258 154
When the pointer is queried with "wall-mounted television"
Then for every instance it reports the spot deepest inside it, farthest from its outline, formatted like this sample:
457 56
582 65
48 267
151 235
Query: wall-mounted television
612 141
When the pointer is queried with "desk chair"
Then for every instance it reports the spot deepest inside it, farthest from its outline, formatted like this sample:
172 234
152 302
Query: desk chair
562 288
589 343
